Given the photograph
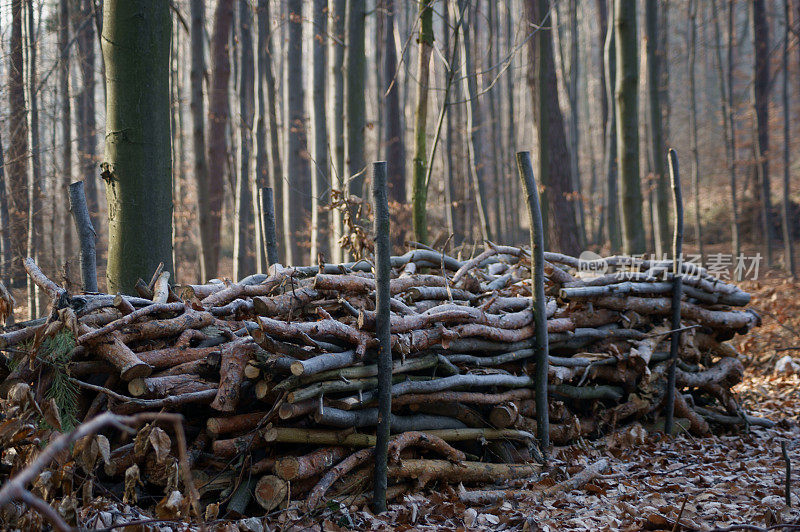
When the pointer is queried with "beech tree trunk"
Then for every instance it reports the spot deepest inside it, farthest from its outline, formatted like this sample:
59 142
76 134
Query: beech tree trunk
355 66
296 197
393 118
553 166
788 252
218 118
627 98
138 161
35 185
197 107
320 182
419 189
244 258
658 147
17 166
612 194
758 18
691 17
337 10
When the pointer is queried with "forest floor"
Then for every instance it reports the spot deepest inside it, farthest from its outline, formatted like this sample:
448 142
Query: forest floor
711 483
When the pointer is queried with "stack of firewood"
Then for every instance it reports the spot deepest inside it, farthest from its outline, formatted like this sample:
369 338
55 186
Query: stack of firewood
276 375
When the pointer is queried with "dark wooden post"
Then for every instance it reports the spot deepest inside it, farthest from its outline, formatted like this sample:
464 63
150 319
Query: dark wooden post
677 264
268 229
383 267
86 235
539 303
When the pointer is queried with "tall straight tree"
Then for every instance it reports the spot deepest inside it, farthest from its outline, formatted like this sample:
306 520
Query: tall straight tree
320 186
690 66
726 100
197 76
475 127
787 222
244 259
35 185
355 104
138 160
393 118
217 145
760 28
419 189
627 100
337 27
87 121
17 166
612 193
66 120
553 161
296 197
658 148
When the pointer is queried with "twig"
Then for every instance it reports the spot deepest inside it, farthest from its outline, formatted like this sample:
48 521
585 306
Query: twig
788 489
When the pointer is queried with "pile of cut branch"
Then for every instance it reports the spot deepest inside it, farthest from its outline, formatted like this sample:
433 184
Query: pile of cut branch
275 375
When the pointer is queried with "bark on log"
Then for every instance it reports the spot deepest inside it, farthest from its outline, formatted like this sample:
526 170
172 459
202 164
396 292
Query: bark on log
309 465
423 471
369 418
119 355
239 423
234 360
170 385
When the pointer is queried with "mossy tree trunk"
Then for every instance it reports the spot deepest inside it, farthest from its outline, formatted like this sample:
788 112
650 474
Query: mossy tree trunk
138 161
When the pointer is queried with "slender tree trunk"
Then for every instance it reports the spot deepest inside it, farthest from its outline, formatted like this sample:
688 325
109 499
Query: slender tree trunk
337 10
296 197
788 259
218 118
691 18
573 75
558 205
35 187
88 125
449 185
66 123
197 108
761 102
513 190
393 119
627 99
726 93
355 67
17 166
5 224
137 168
612 194
419 189
320 183
277 181
244 262
262 178
493 37
475 126
658 147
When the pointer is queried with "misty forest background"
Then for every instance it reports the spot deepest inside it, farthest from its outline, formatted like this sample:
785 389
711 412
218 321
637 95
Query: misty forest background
300 96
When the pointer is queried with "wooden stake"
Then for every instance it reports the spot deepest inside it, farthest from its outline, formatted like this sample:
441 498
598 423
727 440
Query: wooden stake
270 237
539 302
86 236
677 243
383 271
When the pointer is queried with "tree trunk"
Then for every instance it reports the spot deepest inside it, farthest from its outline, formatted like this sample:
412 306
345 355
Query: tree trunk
5 223
449 185
66 123
218 118
393 117
35 187
355 66
244 259
612 195
17 149
658 147
338 10
296 199
320 183
419 190
788 259
197 108
573 75
761 103
691 18
553 168
477 164
87 124
627 99
138 162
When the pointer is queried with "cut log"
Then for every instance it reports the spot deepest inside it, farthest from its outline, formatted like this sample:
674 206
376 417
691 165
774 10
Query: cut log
306 466
239 423
271 492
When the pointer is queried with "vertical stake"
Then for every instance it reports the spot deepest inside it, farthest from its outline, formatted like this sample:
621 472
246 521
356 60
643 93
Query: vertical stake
677 265
270 236
86 235
383 270
539 303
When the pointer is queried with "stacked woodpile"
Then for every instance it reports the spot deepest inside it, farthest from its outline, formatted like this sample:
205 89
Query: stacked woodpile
275 375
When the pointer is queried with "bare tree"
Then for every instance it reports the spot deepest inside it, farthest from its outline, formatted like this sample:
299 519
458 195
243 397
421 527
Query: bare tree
336 27
35 184
612 194
320 184
66 121
760 28
355 105
788 258
87 114
419 189
691 19
197 108
393 117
